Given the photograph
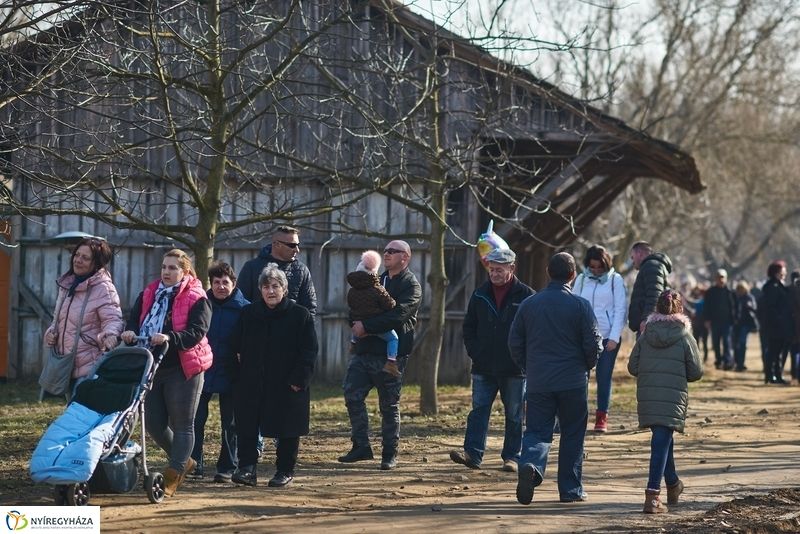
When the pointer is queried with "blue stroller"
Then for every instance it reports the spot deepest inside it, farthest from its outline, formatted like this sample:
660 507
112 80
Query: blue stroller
88 449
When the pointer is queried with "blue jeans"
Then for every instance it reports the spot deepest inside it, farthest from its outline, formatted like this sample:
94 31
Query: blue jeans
662 462
571 407
740 334
169 411
364 372
484 391
227 461
721 335
391 339
604 370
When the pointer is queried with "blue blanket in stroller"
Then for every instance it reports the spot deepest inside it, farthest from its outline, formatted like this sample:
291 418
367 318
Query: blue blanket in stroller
71 447
73 444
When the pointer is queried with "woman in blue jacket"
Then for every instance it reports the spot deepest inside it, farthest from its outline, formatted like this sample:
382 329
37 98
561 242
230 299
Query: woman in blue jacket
227 302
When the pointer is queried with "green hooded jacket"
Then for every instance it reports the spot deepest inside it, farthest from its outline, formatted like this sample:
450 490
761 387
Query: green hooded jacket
664 360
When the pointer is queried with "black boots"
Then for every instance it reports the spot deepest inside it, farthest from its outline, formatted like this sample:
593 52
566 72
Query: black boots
357 454
388 461
246 475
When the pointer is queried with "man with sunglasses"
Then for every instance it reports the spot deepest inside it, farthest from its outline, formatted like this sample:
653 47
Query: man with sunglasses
283 250
365 369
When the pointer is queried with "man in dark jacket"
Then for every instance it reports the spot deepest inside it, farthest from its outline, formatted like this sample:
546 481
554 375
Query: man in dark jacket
555 338
778 325
365 369
490 312
283 251
227 302
651 281
718 311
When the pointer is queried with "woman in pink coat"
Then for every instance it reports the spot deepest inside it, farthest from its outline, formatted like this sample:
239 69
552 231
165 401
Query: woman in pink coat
87 318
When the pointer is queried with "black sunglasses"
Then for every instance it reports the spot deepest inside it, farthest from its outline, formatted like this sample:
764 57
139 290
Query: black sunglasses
288 244
392 251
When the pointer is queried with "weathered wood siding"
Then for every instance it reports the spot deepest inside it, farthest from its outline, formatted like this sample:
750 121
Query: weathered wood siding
38 263
295 128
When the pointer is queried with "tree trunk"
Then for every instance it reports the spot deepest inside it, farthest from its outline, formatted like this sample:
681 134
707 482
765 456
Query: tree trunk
437 280
205 233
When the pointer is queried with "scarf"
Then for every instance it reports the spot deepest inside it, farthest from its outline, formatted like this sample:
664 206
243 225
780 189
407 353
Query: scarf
602 279
500 292
154 320
76 282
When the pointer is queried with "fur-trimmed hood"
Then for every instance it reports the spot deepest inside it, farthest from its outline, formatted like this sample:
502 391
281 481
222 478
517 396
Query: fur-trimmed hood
665 330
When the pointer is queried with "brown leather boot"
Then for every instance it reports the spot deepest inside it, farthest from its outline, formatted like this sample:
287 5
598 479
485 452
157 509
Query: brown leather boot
600 421
674 491
173 479
652 502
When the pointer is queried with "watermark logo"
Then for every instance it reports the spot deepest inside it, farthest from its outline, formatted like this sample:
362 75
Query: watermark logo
16 520
61 519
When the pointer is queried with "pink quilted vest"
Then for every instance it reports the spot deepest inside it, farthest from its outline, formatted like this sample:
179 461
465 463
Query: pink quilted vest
195 359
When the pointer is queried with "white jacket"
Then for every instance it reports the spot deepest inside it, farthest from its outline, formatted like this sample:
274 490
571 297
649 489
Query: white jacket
608 301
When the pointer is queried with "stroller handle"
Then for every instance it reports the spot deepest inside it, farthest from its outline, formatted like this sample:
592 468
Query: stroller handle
145 341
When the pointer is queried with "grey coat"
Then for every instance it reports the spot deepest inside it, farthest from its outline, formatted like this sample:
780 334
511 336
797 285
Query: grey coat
664 360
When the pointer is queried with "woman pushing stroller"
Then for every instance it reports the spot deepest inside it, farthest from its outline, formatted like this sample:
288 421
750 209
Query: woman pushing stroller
174 310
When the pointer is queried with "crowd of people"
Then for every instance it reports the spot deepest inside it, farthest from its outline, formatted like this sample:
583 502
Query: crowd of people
254 345
730 313
251 341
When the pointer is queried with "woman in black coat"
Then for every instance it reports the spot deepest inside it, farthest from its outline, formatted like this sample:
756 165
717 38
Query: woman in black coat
277 347
778 325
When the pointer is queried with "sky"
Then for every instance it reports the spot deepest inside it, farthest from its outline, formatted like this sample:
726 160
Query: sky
549 28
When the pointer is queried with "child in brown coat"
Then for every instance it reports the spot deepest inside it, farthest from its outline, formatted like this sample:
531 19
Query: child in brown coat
367 298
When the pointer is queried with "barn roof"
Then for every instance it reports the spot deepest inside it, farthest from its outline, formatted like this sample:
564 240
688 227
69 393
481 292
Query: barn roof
645 155
583 169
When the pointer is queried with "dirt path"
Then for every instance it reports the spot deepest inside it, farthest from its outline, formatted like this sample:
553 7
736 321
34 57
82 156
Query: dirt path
743 438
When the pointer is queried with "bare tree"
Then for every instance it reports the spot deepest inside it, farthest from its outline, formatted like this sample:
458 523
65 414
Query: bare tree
183 119
27 28
435 118
719 79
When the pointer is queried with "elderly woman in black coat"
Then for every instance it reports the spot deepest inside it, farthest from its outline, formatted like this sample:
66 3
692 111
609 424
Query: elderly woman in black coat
277 347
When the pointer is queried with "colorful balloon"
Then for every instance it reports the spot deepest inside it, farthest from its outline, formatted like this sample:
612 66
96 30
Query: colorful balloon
489 241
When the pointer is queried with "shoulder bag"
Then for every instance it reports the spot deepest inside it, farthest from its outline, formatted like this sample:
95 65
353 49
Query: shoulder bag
57 369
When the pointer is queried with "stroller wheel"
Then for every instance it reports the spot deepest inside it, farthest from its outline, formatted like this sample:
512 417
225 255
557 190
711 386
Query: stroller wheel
60 494
154 486
78 494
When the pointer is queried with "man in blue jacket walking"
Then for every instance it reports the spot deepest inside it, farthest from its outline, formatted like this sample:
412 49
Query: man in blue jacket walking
555 338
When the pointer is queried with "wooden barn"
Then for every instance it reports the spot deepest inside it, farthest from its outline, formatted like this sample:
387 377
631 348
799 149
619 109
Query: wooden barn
577 159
